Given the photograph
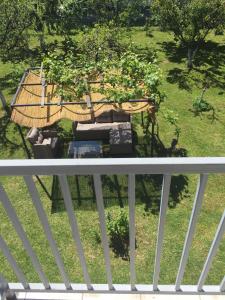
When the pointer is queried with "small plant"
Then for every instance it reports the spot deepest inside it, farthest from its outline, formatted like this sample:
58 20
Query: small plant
118 231
200 105
96 236
172 118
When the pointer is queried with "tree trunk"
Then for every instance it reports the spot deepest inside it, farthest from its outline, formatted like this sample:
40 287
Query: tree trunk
191 55
41 37
190 58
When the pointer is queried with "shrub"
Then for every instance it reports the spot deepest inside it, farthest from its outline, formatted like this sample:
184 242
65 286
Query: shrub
200 105
118 232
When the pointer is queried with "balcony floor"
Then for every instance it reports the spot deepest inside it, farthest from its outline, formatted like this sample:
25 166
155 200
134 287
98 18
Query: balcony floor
86 296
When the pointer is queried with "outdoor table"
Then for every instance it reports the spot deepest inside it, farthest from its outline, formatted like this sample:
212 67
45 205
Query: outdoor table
85 149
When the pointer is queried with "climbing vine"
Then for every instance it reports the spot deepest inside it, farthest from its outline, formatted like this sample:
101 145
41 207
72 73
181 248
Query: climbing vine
130 76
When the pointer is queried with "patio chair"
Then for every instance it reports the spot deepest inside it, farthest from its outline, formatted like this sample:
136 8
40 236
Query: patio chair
45 144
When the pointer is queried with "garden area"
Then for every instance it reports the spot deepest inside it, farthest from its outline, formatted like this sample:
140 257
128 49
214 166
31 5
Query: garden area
188 92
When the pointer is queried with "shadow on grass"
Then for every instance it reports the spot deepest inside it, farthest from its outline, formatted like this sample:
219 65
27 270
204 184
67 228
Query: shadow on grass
9 82
174 52
180 77
209 65
115 187
5 142
153 183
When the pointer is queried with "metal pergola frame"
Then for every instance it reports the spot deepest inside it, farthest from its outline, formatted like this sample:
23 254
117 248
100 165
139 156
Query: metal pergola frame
43 83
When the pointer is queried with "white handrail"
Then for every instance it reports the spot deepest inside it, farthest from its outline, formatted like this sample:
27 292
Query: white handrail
197 165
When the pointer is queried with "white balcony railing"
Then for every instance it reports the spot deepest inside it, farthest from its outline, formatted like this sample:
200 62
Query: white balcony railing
97 167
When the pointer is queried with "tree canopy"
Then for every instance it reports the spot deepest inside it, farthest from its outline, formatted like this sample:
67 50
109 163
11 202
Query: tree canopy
190 20
74 13
15 19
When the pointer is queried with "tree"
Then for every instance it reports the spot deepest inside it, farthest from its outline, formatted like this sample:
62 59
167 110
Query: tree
45 14
79 13
15 19
102 41
190 21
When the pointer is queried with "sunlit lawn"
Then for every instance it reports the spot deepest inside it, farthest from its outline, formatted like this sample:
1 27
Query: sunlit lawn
200 136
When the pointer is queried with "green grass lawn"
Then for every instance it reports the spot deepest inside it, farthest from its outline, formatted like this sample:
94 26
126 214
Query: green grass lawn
200 136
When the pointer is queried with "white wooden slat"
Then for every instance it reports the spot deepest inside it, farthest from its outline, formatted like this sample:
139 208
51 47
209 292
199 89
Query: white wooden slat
21 233
191 228
162 218
74 227
212 252
222 285
21 277
104 238
131 202
46 227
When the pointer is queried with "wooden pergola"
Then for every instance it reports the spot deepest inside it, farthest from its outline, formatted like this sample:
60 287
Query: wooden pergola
36 103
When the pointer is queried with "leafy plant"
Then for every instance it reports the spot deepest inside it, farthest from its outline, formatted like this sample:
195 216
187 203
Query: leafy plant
16 73
130 76
200 105
102 42
172 118
118 231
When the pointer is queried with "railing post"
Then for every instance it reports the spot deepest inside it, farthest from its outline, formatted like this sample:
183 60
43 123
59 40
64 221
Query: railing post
21 233
162 218
74 227
222 285
3 287
102 223
131 200
20 275
191 228
212 252
47 230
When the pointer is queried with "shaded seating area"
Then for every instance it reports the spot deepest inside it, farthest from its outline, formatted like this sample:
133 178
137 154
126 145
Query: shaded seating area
119 135
36 105
114 127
